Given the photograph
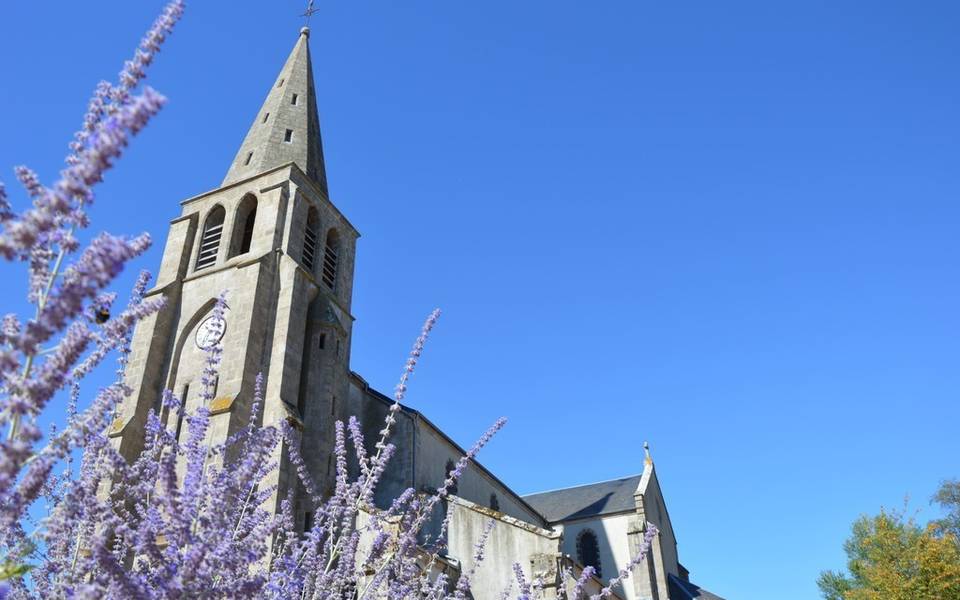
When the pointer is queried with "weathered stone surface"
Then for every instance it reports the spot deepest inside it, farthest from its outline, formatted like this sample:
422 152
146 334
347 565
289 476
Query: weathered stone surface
291 323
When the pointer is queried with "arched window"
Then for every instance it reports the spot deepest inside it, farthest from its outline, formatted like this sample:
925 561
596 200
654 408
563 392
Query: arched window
310 240
494 503
243 225
331 254
588 550
210 240
449 469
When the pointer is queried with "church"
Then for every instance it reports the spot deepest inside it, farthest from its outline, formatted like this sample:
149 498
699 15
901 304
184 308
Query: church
273 240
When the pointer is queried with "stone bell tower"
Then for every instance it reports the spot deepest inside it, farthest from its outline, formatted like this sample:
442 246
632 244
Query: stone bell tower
271 240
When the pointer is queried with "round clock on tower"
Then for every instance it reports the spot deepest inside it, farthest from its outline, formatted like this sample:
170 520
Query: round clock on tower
210 332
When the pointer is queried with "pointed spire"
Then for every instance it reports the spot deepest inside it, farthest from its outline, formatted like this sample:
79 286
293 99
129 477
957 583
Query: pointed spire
287 128
646 451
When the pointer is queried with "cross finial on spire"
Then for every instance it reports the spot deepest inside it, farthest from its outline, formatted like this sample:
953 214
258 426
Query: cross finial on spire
309 13
646 452
286 128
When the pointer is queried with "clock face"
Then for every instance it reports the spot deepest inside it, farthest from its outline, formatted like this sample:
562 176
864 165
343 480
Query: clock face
210 332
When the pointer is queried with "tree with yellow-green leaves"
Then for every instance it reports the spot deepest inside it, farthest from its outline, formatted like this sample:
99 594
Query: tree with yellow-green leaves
892 557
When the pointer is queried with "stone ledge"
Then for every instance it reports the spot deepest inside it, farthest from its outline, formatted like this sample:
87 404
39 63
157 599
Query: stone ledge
116 428
496 514
222 405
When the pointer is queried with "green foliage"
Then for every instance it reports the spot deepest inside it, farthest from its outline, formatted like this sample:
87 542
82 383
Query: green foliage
13 566
948 497
892 557
834 586
12 570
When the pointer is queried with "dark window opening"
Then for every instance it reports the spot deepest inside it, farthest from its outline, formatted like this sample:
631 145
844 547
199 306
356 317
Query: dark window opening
183 409
333 405
210 241
307 521
279 83
288 136
265 117
249 156
588 550
293 100
244 224
450 467
323 341
494 502
248 231
339 350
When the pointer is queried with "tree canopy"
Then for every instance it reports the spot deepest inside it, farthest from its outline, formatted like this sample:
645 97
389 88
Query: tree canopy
892 557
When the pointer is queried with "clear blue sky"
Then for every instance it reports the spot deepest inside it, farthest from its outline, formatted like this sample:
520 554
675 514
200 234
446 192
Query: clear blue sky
729 228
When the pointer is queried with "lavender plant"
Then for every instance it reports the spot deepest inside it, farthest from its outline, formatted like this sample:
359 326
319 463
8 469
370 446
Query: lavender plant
71 330
187 518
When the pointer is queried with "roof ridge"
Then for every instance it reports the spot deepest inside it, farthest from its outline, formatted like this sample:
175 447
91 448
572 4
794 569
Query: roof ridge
573 487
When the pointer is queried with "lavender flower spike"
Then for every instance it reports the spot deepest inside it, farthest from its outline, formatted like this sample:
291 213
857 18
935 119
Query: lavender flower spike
415 354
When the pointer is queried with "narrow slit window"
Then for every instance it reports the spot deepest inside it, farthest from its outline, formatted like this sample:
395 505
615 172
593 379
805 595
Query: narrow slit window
279 83
249 156
450 467
288 136
183 409
265 117
210 241
323 341
307 521
293 100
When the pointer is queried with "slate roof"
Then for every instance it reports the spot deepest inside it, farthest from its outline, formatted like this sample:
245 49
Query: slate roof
684 590
589 500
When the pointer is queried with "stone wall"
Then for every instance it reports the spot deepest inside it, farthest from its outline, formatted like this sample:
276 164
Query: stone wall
611 532
511 541
434 451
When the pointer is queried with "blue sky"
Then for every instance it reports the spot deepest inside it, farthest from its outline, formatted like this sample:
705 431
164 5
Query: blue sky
726 228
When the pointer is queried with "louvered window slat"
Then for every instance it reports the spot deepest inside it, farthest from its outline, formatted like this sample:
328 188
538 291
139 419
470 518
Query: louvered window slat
330 265
210 242
309 248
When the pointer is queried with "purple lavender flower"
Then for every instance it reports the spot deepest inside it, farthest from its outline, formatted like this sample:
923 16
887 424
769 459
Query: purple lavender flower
186 518
50 351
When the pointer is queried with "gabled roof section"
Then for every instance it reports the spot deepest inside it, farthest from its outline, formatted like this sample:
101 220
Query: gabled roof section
287 128
652 505
584 501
